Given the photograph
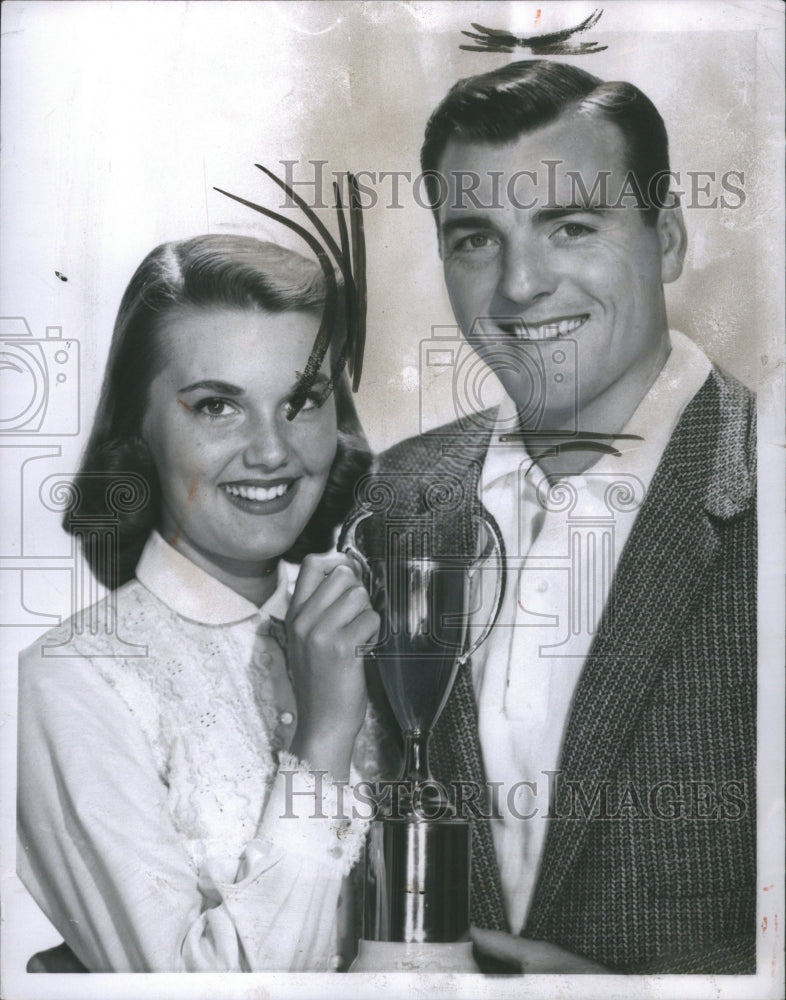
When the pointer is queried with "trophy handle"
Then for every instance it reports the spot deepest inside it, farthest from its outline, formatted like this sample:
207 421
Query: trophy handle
494 546
347 544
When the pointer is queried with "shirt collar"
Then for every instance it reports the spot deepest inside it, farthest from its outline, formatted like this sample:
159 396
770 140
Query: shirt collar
654 419
193 594
685 371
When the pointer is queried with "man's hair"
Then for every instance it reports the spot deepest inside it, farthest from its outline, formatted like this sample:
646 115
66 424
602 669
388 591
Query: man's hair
212 271
499 106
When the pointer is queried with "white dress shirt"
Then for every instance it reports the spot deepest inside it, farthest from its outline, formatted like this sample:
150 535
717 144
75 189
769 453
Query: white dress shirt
563 544
151 815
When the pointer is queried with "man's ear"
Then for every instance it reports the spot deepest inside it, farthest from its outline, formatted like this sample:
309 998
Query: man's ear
673 240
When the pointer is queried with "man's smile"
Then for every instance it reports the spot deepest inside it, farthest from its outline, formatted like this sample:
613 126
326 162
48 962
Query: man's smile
549 329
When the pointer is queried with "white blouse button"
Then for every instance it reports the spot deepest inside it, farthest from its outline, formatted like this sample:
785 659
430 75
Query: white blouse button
286 718
541 586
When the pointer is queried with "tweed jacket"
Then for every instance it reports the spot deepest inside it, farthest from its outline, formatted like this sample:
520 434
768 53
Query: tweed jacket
649 863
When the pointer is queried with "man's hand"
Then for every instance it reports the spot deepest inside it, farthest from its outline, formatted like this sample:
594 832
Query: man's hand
532 957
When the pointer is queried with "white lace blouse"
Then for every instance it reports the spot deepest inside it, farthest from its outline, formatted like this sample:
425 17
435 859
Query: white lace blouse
154 824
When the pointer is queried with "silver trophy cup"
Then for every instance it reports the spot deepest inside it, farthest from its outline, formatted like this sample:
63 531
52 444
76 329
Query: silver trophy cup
418 856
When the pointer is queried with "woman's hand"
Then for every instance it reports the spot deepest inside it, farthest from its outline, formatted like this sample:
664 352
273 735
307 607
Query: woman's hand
330 615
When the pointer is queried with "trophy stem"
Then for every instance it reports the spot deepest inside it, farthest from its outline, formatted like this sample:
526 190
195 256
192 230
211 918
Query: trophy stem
416 765
422 795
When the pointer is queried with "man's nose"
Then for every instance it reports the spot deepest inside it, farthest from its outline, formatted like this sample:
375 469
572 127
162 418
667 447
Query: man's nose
526 275
266 444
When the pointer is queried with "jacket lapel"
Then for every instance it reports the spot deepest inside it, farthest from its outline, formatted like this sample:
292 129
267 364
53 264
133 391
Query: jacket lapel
456 753
673 543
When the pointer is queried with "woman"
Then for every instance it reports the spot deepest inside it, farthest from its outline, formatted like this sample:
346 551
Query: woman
159 785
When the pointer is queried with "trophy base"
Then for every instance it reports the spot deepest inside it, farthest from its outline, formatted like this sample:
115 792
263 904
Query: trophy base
409 956
417 881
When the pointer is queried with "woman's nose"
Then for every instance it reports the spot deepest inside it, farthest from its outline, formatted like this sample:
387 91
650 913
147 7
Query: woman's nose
266 446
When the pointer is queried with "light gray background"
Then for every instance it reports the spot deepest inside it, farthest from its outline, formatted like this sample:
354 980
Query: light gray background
118 119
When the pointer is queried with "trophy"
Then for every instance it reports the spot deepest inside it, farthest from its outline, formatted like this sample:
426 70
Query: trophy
417 865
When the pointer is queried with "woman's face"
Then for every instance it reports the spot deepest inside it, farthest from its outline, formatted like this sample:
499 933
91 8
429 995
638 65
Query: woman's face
239 481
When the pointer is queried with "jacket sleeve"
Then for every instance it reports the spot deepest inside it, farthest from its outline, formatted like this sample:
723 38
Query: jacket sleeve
723 958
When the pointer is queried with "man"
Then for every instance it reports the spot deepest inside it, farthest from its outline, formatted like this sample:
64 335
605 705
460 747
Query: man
611 715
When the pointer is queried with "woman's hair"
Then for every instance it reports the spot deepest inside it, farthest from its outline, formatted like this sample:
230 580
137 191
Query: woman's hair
117 475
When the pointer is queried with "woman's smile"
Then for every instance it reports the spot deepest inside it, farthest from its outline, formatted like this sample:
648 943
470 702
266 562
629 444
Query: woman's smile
261 498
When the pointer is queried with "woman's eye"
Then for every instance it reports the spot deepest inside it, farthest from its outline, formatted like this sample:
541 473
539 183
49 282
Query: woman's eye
215 407
309 399
309 403
314 400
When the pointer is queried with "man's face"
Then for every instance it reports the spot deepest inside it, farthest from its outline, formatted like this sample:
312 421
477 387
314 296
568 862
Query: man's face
530 261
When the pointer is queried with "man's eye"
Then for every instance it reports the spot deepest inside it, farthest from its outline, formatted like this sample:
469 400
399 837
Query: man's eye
573 230
215 407
475 241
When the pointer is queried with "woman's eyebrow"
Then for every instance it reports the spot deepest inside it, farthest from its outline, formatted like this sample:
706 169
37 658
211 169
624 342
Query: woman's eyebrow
319 381
213 385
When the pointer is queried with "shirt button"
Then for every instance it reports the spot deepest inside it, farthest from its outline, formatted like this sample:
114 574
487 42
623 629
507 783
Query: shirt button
541 586
286 718
263 658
